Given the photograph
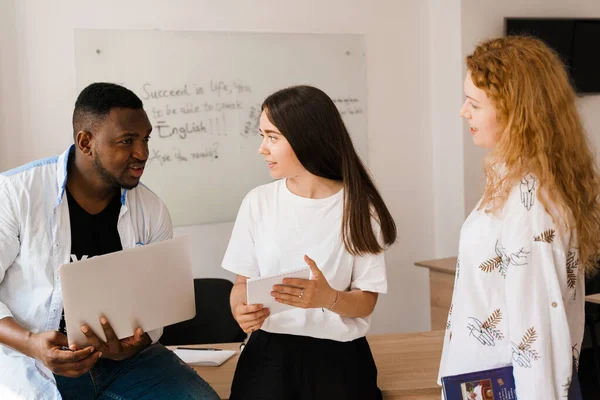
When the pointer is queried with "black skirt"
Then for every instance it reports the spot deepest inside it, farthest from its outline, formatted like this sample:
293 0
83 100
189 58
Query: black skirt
288 367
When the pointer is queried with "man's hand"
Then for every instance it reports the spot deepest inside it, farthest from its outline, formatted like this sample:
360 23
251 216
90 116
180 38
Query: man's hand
114 348
48 348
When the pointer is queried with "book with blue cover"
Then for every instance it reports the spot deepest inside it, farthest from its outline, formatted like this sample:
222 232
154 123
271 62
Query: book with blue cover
491 384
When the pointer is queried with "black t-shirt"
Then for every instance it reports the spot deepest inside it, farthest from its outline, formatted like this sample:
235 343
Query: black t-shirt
93 235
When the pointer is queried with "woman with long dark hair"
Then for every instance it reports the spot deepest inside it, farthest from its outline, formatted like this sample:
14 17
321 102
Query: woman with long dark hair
325 211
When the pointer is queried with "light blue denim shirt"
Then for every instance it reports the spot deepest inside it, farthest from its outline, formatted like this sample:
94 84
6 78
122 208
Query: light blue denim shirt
35 240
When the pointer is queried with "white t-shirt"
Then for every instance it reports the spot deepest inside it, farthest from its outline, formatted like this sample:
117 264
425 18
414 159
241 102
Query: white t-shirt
273 231
518 297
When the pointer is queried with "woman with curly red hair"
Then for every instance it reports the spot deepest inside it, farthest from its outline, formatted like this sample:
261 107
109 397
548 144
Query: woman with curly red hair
528 244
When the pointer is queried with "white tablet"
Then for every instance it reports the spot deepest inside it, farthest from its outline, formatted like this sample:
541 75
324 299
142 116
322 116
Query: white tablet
258 290
148 286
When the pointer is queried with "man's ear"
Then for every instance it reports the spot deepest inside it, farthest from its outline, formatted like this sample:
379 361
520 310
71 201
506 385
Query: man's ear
83 141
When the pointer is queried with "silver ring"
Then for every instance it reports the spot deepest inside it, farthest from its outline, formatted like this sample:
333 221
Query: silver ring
301 293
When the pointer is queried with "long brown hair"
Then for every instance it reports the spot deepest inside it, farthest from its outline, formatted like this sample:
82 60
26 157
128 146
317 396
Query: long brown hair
543 135
313 126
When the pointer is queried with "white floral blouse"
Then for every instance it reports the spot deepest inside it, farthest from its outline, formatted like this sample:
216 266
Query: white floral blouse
518 298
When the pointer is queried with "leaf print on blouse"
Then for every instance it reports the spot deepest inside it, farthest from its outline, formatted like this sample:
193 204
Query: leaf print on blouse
527 188
491 264
486 332
502 261
575 352
566 388
523 354
457 266
572 264
547 236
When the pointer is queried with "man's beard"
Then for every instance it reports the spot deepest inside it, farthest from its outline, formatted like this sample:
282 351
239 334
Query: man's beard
107 176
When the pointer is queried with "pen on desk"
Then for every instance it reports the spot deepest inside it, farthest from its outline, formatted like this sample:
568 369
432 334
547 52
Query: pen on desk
198 348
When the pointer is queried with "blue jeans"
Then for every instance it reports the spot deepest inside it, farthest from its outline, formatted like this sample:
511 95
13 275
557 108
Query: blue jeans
153 373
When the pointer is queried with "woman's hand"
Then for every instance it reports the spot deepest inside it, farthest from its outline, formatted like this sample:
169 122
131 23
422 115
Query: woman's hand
303 293
250 317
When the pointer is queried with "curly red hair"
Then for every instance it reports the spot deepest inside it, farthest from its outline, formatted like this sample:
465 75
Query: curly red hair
542 134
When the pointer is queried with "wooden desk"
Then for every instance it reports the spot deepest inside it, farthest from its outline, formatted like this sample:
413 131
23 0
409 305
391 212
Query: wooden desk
407 364
441 285
593 298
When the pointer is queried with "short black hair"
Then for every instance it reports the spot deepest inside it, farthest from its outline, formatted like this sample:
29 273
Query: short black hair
95 102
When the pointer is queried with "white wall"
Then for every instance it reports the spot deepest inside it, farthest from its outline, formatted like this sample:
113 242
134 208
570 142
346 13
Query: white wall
37 93
482 19
400 153
446 98
10 132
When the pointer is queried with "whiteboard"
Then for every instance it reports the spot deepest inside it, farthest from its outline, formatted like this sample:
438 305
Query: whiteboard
202 92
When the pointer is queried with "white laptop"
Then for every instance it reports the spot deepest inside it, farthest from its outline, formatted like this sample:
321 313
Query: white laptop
148 286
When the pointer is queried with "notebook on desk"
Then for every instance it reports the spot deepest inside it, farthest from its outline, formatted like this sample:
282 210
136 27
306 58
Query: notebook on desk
204 357
258 290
